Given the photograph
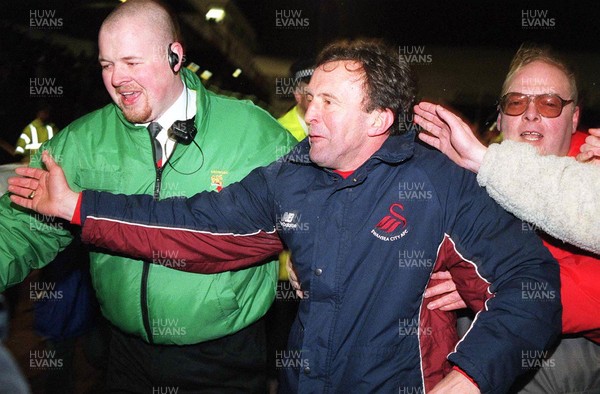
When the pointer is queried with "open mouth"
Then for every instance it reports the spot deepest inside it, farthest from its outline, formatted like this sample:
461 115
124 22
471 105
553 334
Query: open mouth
531 135
129 98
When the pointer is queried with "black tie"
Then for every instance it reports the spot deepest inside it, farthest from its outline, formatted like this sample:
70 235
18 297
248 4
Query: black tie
154 129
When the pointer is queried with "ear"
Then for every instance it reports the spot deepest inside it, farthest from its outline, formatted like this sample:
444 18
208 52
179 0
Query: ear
576 113
297 96
499 122
380 122
177 48
298 91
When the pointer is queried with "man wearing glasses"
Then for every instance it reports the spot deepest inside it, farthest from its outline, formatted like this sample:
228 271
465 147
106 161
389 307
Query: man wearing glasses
552 120
538 106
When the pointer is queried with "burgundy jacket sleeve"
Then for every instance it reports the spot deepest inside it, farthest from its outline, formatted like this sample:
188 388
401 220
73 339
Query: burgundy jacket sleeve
212 232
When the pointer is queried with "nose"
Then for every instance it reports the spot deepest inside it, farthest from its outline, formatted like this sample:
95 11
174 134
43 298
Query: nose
119 76
312 112
531 113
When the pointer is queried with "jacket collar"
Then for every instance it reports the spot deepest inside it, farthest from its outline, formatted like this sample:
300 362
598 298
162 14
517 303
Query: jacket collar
394 150
192 81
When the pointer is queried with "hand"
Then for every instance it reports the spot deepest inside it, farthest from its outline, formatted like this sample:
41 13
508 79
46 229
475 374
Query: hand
450 299
455 382
449 134
293 277
46 192
590 151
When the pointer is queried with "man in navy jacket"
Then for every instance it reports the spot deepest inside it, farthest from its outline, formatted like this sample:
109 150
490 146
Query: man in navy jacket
368 216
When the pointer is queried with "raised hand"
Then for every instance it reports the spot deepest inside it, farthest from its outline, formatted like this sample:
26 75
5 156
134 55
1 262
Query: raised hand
449 134
590 151
46 192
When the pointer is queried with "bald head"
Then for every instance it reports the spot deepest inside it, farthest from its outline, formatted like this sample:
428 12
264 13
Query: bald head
151 13
136 70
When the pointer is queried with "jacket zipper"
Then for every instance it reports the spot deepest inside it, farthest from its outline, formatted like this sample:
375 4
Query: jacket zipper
144 302
146 267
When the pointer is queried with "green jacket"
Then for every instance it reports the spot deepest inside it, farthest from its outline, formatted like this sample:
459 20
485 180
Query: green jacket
103 151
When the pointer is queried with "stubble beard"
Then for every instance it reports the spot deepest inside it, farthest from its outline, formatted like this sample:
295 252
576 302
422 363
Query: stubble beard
135 115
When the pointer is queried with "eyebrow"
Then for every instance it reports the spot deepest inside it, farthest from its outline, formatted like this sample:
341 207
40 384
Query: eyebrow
324 94
126 58
329 96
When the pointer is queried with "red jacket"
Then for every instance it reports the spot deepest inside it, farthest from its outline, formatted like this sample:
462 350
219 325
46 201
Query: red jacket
579 276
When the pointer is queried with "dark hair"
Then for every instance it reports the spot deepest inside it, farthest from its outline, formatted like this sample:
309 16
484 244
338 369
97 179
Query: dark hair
388 79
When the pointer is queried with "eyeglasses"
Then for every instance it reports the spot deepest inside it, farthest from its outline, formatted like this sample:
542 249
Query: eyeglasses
548 105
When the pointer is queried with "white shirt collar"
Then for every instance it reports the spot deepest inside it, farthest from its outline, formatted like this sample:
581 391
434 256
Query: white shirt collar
186 102
182 109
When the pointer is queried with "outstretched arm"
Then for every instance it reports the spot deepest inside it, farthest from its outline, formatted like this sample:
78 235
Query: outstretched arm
211 232
449 134
558 194
561 193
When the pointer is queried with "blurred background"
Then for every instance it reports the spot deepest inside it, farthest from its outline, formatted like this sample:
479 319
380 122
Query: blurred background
460 50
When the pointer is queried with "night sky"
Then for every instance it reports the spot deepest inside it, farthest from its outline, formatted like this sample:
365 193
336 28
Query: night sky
564 25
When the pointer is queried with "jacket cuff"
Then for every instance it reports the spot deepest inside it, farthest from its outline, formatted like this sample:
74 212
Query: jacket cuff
76 219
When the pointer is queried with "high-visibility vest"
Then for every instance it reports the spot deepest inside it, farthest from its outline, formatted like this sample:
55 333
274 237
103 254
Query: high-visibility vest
294 124
33 140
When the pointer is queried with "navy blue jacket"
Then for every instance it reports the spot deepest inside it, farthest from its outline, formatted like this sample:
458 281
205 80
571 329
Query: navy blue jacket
364 248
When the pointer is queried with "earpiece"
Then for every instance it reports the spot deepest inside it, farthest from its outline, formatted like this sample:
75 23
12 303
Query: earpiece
184 131
173 58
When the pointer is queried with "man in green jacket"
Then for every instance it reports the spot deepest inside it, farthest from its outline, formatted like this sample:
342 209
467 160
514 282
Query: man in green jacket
164 135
